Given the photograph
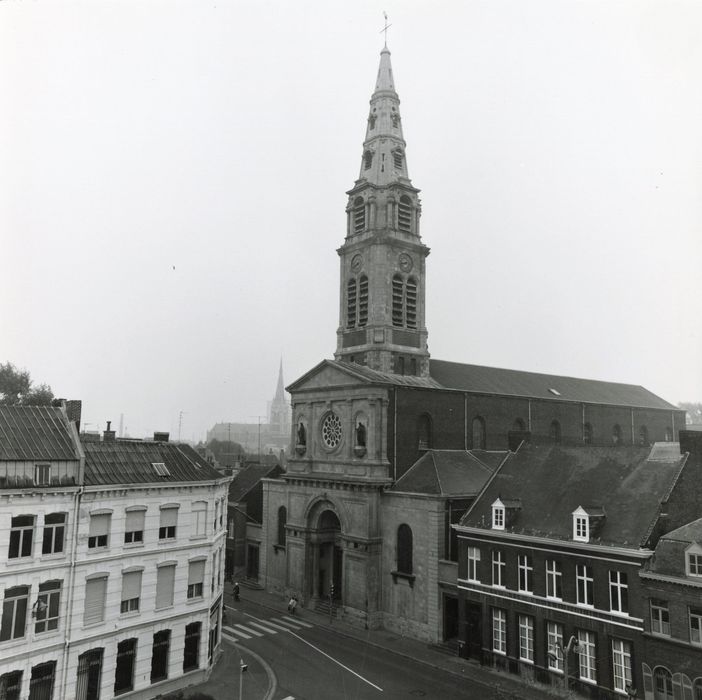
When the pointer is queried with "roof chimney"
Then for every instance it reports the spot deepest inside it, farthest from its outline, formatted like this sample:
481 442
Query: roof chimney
108 435
73 411
161 437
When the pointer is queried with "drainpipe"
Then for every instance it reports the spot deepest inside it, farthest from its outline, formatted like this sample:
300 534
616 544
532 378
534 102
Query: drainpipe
71 587
394 419
465 422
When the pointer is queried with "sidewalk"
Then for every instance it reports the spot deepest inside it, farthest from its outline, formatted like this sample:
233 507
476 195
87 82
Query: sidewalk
507 686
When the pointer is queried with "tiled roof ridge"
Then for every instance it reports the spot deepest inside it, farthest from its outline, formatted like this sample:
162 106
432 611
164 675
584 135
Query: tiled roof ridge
436 470
486 485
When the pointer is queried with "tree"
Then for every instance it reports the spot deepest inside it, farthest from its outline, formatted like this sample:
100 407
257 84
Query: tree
694 411
16 388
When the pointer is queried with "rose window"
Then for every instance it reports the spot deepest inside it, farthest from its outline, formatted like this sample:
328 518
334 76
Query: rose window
331 431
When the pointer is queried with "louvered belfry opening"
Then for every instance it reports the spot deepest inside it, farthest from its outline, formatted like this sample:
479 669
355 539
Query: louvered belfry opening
363 301
351 291
404 214
359 215
411 302
397 289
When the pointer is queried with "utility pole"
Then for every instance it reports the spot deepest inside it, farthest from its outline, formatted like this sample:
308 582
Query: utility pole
259 437
180 423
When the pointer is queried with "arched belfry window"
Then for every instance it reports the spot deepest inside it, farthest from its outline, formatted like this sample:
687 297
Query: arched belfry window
424 432
397 300
282 522
404 549
404 213
556 432
478 433
411 301
359 215
363 301
351 302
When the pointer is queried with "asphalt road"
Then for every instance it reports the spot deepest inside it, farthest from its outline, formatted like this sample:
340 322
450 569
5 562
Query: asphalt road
314 663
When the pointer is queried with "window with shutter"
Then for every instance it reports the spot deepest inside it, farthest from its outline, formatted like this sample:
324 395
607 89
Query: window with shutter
169 520
131 591
164 586
99 530
95 593
134 526
196 575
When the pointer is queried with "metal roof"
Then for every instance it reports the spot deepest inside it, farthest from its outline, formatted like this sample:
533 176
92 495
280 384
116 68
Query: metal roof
512 382
30 433
131 462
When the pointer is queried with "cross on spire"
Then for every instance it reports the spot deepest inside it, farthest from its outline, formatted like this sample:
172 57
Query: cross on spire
385 28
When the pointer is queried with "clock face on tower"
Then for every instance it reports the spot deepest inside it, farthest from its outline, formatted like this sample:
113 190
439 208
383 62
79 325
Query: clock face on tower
405 262
356 263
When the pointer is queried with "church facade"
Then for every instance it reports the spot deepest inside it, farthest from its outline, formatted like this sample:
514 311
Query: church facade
388 446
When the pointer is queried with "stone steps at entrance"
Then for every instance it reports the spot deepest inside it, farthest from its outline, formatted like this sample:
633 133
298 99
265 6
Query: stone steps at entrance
322 606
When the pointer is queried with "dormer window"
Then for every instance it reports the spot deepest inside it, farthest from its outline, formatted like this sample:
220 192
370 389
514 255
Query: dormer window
581 526
693 560
498 515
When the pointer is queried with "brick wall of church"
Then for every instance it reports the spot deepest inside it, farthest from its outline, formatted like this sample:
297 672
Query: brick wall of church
452 414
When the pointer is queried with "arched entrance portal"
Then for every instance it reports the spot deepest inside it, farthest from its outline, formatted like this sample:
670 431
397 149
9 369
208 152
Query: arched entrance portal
329 557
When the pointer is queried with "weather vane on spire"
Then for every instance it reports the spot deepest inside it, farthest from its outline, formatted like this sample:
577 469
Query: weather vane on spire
385 28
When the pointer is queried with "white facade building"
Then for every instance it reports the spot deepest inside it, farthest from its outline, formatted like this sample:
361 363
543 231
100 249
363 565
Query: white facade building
122 596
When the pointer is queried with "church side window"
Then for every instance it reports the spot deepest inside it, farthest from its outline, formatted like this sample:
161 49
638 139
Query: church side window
411 301
424 432
404 212
587 434
478 433
616 434
556 432
363 301
643 435
397 300
282 522
359 215
351 299
404 549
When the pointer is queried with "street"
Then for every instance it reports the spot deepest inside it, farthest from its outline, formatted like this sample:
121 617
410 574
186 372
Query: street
309 662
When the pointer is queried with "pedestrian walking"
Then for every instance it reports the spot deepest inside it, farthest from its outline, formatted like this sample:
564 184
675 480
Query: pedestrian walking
292 604
236 591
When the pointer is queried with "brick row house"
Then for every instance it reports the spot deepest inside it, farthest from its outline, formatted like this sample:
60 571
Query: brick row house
114 577
553 558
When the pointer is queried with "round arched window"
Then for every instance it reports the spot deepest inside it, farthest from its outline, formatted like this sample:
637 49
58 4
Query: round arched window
331 431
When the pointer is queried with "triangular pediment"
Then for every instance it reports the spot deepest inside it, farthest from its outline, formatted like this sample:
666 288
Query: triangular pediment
328 374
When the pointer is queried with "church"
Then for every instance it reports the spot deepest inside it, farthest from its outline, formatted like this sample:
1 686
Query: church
389 447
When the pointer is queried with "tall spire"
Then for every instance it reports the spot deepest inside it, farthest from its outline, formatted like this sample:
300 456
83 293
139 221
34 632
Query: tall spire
383 160
280 389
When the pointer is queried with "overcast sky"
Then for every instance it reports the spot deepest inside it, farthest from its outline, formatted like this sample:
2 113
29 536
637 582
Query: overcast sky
173 178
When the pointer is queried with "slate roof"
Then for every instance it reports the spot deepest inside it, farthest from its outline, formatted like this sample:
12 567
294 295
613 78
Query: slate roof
130 462
506 382
249 477
691 532
669 558
512 382
450 472
29 433
552 481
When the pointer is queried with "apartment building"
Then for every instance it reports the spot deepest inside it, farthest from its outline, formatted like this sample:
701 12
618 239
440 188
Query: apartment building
115 554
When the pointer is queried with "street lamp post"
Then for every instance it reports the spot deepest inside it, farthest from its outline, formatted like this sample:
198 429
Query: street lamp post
562 654
242 670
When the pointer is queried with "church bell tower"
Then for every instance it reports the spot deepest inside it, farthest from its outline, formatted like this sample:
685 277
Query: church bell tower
383 259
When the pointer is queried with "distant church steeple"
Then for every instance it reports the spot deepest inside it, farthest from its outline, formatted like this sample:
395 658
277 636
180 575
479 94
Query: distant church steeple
279 410
382 322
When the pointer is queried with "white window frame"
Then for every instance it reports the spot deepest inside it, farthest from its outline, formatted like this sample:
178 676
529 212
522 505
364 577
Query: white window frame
46 600
554 579
131 605
498 515
554 637
581 525
693 561
14 601
52 528
499 631
587 656
25 533
94 541
526 638
695 625
498 567
163 530
473 559
583 576
617 587
42 474
621 665
660 617
199 515
525 574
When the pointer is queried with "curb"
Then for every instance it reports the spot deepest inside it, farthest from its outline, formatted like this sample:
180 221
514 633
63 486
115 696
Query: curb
402 654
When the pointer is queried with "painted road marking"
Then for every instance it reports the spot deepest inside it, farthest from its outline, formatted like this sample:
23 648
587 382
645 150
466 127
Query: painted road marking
331 658
280 628
295 620
232 631
263 627
256 633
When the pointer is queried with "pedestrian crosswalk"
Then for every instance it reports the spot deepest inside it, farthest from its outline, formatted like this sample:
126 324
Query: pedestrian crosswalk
254 627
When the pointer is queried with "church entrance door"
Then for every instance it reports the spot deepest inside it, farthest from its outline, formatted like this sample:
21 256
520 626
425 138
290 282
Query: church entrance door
329 556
